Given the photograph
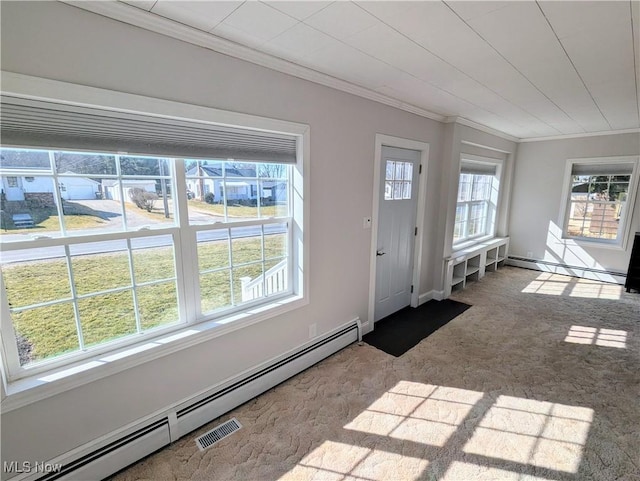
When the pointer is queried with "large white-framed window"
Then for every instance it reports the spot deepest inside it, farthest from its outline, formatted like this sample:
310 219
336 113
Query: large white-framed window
477 201
598 195
103 250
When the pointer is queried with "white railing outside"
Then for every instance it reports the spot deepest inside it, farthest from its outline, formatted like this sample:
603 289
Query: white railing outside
275 280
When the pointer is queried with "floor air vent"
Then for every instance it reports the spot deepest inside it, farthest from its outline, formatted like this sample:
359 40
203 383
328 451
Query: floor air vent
218 433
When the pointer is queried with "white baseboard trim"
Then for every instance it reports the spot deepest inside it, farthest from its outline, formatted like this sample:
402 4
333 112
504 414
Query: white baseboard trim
114 451
567 270
431 295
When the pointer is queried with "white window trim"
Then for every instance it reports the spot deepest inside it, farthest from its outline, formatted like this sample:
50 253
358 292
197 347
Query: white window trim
37 387
499 163
630 208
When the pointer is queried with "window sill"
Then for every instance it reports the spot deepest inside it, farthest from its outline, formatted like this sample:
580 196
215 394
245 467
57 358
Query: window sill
471 243
584 242
29 390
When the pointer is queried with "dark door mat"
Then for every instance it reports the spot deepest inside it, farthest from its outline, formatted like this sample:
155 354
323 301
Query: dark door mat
402 330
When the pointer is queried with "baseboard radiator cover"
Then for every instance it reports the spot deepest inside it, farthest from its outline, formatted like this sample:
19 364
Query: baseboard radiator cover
121 450
568 270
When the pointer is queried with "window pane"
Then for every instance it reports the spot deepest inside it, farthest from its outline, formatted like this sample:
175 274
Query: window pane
274 200
107 317
275 277
158 305
213 249
406 190
143 166
247 283
90 203
398 175
153 258
215 290
242 199
20 158
389 170
84 163
147 203
408 171
397 190
45 332
388 190
596 206
246 244
99 266
34 276
275 241
29 207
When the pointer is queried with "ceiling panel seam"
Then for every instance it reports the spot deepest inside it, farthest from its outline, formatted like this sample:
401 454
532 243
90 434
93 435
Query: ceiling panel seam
513 66
222 21
573 65
466 100
463 73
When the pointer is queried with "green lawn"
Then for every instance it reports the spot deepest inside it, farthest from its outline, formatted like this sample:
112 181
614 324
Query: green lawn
238 210
51 330
50 222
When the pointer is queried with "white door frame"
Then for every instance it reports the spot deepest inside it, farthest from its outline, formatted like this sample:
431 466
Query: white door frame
423 148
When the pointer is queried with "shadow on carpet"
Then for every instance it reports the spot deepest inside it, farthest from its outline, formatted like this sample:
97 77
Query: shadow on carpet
402 330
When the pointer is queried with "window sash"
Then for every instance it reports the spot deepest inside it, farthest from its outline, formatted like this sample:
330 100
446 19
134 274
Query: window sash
466 221
474 192
186 272
582 226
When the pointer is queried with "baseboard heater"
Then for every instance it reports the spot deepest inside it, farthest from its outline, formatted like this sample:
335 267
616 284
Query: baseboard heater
569 270
120 451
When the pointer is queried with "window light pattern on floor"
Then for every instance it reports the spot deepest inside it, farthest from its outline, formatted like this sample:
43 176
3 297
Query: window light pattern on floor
525 431
560 285
598 336
471 435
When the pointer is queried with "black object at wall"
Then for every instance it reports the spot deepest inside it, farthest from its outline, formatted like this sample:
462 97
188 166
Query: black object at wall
633 274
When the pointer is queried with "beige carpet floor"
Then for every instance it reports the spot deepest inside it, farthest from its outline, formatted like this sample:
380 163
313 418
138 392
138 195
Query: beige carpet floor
539 380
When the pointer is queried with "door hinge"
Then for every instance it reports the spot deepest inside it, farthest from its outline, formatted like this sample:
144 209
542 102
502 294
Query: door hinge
412 289
415 232
420 169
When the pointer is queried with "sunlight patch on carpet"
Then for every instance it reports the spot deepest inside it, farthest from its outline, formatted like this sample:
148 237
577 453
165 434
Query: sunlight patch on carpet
560 285
468 471
535 433
598 336
471 434
335 460
417 412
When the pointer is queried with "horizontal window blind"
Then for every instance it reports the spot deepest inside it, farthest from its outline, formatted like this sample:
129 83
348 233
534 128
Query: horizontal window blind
37 123
620 168
477 168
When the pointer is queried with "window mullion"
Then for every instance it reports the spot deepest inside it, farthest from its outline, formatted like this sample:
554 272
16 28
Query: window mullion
230 252
74 295
134 290
185 250
58 195
123 208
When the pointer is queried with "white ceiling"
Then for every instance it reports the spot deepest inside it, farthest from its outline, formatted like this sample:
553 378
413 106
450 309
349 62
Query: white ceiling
528 69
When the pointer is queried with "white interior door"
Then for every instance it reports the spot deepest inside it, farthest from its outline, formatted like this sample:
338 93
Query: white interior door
396 229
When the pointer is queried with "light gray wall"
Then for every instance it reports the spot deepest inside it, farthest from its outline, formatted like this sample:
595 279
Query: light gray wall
60 42
461 139
537 200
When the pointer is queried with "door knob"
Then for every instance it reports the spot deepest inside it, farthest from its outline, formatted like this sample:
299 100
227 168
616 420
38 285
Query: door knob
380 253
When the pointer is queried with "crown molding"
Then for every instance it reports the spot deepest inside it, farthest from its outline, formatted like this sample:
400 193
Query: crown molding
582 135
149 21
481 127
